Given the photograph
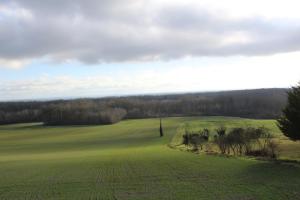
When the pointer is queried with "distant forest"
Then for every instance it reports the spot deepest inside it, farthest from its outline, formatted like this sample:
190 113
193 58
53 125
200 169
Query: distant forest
261 103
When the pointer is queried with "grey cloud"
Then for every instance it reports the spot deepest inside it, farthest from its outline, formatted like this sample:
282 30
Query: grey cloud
93 31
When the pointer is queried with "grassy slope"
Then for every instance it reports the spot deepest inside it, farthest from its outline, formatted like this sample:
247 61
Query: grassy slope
129 161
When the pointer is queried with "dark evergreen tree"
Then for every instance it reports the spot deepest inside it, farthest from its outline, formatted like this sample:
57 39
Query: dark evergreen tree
160 128
289 123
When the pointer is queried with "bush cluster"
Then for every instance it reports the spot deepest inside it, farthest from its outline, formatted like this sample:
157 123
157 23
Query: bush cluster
237 141
246 141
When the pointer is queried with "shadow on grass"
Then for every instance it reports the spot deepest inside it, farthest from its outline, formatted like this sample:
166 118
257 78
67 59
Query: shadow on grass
271 174
36 125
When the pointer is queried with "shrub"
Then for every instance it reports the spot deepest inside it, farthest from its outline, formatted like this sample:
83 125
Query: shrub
220 138
221 143
195 139
221 131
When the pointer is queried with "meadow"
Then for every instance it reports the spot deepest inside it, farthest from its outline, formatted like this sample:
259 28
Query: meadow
129 160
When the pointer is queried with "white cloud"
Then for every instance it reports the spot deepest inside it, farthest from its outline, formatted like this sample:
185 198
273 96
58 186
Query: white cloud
11 10
245 8
207 74
13 63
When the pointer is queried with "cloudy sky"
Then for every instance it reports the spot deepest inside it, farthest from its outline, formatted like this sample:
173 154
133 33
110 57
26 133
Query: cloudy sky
92 48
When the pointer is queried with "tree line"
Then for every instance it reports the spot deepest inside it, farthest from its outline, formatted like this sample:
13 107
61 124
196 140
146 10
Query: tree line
81 113
263 103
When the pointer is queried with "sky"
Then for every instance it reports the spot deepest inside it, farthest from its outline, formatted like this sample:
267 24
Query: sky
93 48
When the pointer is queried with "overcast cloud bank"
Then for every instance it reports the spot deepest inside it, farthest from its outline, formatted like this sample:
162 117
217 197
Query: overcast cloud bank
116 31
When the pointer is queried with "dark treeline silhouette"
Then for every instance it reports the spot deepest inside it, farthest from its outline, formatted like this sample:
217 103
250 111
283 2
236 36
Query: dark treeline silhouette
81 112
262 103
19 112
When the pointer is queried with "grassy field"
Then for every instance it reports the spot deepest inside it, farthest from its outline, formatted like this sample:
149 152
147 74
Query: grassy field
129 161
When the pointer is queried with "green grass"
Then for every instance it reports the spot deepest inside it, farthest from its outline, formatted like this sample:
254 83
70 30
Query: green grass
129 161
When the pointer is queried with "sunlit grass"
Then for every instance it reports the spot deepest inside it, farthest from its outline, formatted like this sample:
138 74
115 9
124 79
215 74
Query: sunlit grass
129 160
